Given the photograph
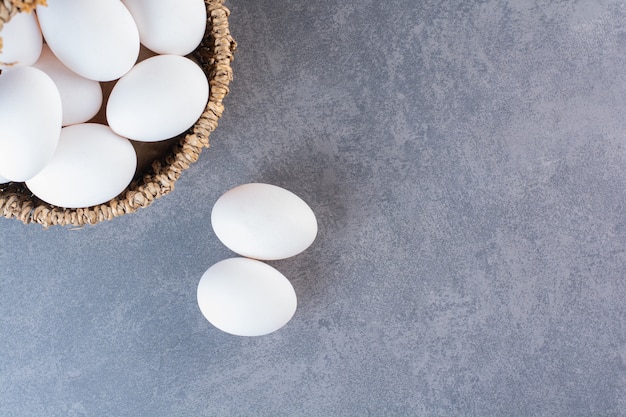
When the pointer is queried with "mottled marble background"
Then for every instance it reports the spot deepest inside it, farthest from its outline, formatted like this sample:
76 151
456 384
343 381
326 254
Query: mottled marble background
467 164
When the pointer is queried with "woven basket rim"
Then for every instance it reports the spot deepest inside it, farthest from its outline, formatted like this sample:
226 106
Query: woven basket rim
215 55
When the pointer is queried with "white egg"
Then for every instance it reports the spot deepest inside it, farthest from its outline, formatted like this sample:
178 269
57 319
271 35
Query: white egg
81 98
97 39
4 180
246 297
159 98
21 39
30 122
169 26
90 166
263 221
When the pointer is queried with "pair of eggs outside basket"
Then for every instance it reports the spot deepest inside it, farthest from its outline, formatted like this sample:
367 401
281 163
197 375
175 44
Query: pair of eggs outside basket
53 90
245 296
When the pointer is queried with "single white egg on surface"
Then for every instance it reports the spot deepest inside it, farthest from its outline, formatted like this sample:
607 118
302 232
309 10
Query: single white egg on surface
81 98
97 39
22 41
90 166
158 99
263 221
30 122
169 26
246 297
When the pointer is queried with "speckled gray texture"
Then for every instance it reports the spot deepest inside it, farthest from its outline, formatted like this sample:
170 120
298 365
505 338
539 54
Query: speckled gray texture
467 164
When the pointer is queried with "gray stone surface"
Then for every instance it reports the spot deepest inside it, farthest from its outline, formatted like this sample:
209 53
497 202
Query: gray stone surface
467 164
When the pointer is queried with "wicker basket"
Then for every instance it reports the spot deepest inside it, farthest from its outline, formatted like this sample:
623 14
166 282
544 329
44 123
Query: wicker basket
168 159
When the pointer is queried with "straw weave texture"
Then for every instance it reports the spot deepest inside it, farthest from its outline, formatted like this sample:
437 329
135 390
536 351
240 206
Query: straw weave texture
214 55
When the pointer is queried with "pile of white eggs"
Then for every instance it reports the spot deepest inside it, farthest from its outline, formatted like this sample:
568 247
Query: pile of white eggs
243 295
53 64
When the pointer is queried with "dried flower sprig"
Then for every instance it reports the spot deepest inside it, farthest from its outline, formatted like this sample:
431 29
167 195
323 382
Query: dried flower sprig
8 8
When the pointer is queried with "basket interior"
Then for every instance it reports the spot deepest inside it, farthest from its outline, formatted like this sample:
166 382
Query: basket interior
159 164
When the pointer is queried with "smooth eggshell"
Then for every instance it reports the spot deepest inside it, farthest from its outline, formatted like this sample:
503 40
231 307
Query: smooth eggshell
30 122
22 41
263 221
246 297
169 26
81 98
4 180
90 166
159 98
97 39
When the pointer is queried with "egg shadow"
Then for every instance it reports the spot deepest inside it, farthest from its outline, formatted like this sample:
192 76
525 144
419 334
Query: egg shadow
317 180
